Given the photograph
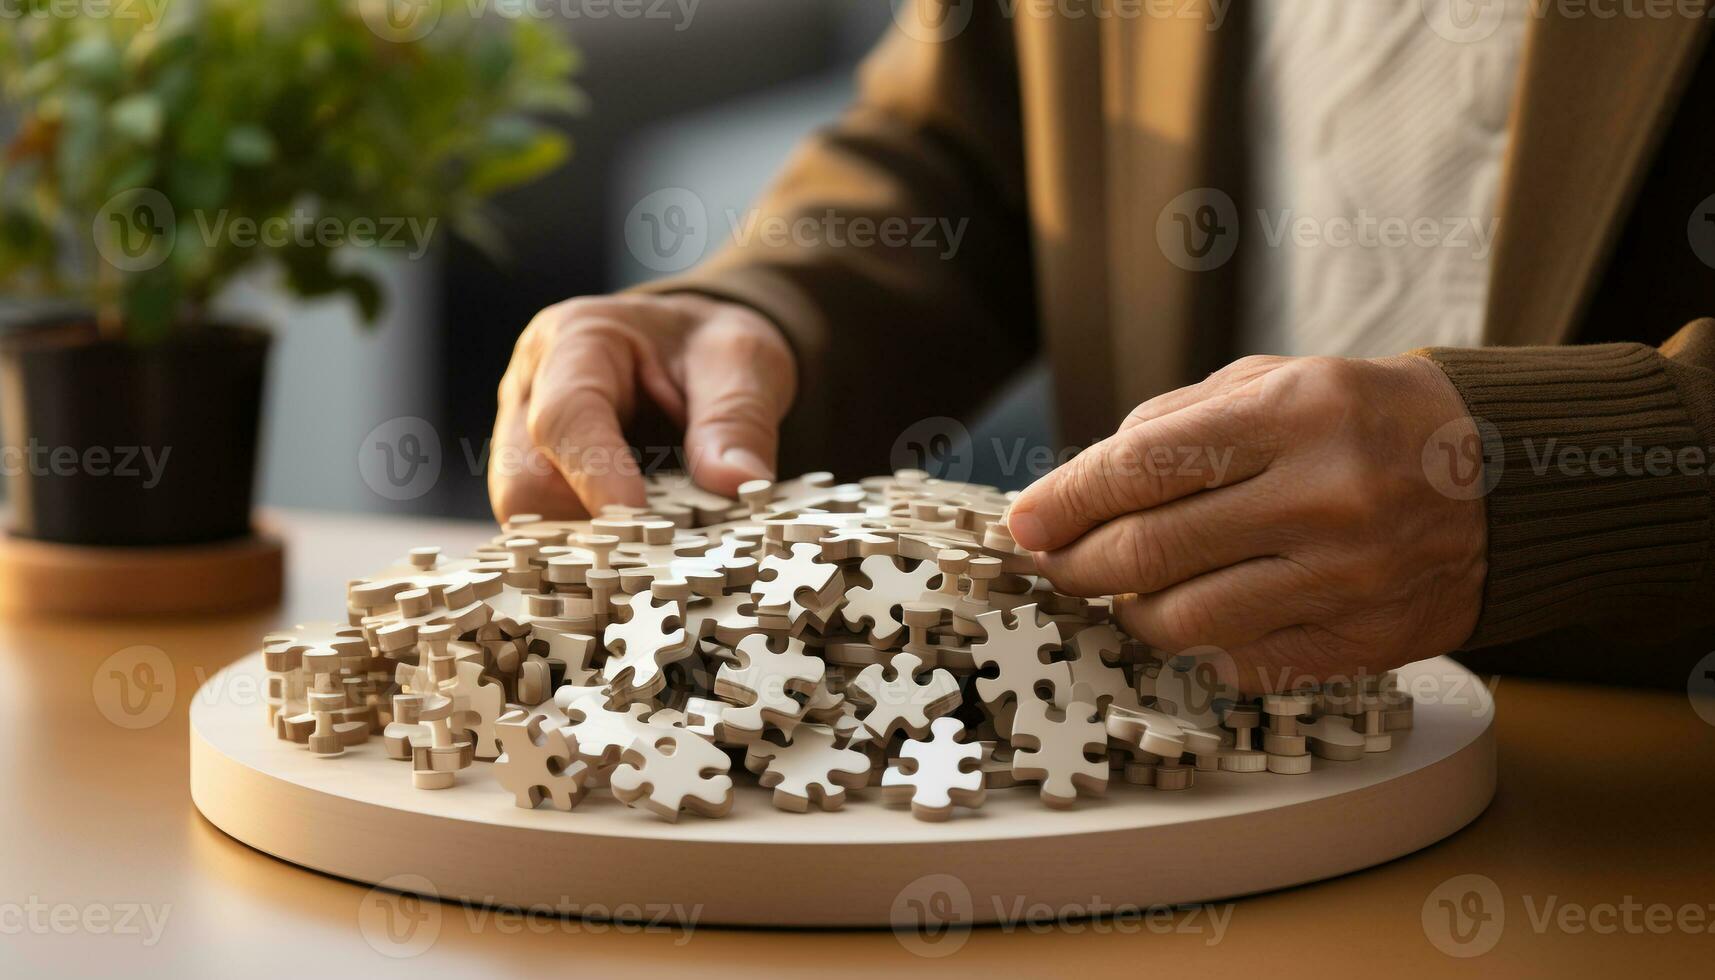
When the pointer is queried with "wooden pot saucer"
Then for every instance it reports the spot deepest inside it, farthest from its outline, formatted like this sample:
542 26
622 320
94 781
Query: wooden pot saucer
45 578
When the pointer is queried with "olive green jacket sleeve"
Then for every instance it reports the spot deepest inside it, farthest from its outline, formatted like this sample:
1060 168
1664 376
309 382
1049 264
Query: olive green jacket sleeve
1602 512
894 250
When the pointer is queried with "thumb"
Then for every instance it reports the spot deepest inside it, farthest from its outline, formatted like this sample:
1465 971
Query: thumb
738 386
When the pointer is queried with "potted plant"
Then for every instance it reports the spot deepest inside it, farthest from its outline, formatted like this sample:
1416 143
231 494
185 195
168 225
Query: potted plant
155 153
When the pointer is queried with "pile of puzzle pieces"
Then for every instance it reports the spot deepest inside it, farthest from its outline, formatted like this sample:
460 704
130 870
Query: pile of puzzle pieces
823 637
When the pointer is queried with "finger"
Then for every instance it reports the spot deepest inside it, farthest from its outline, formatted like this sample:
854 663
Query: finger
521 478
581 389
1214 443
1237 374
1227 608
1151 550
738 388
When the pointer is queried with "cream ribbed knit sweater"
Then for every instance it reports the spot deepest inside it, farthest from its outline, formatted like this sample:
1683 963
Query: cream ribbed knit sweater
1375 146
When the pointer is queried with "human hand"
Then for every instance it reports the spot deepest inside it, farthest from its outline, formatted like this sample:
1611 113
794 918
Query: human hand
1284 510
721 371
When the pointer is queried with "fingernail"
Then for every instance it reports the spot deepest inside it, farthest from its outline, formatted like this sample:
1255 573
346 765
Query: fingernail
747 462
1027 530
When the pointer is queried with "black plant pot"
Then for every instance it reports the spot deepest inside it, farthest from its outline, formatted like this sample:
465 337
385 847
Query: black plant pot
112 444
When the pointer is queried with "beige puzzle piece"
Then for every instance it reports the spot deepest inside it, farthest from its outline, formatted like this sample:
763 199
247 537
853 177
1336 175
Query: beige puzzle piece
897 700
1095 677
424 568
1332 737
457 608
477 701
761 683
938 774
890 588
1054 748
288 683
648 640
602 732
1016 652
673 772
538 763
782 579
811 771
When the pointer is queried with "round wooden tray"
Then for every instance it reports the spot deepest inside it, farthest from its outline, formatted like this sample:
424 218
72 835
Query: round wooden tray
867 865
45 578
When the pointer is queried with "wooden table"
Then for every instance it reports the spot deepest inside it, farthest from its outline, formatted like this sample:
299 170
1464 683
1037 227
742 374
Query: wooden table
1606 810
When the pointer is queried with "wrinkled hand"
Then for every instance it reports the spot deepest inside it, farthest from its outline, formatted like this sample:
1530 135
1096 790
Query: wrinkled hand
1285 510
721 371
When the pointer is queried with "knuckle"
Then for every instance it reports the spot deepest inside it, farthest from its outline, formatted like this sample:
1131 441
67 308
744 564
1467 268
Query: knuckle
1069 574
595 315
1143 557
575 413
739 409
1090 493
1323 389
1178 622
565 315
1250 365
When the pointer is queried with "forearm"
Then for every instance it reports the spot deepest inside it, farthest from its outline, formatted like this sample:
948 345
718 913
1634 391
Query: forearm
1602 507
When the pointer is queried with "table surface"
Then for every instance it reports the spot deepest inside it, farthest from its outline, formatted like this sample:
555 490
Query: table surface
1595 854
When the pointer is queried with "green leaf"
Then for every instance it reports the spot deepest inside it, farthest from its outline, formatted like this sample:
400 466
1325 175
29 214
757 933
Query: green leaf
542 154
93 58
138 173
365 290
151 306
250 146
137 118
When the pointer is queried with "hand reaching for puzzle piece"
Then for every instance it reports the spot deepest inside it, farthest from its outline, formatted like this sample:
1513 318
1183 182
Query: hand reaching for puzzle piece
720 369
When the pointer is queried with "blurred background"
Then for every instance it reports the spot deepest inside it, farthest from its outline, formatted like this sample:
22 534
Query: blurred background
748 79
